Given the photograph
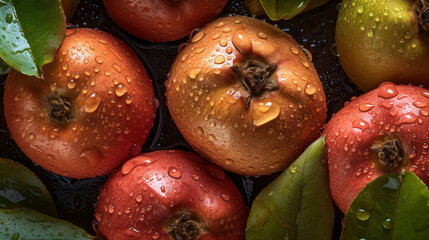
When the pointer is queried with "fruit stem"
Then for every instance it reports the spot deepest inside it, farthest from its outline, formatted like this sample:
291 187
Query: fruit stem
389 154
255 78
60 108
422 11
182 226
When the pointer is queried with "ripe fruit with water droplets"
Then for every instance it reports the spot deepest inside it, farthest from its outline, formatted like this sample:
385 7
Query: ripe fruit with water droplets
92 111
380 132
170 195
381 41
162 20
246 96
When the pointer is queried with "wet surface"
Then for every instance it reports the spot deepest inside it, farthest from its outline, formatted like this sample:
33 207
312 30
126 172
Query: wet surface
75 198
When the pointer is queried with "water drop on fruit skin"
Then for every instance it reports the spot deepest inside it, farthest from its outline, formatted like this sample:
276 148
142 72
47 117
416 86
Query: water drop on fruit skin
242 42
120 90
387 90
91 103
174 173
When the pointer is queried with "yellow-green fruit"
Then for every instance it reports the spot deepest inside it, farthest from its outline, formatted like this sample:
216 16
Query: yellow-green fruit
384 40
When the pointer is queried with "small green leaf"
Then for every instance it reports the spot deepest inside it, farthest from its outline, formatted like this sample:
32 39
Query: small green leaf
297 205
392 207
32 32
20 223
283 9
20 187
4 68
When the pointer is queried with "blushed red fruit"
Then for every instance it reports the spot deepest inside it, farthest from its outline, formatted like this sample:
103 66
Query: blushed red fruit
246 96
383 131
162 20
170 195
92 111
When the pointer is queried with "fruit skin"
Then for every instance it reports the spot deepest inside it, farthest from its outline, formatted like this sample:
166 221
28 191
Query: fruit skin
112 106
140 198
226 124
381 41
162 20
351 133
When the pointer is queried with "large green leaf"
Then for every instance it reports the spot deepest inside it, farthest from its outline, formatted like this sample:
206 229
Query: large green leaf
31 33
393 207
297 205
284 9
28 224
20 187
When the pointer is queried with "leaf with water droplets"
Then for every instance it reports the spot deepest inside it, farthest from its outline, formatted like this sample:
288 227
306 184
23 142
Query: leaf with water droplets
281 9
22 223
392 206
297 205
32 32
20 187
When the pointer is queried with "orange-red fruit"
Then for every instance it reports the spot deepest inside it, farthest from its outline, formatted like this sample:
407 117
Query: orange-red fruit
246 132
145 197
393 116
162 20
92 111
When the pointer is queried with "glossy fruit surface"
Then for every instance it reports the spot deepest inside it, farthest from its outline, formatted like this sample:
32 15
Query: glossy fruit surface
170 195
162 20
380 132
246 96
92 111
381 41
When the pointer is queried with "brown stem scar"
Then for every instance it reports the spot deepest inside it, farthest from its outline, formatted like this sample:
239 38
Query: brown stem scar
182 226
255 77
60 108
390 154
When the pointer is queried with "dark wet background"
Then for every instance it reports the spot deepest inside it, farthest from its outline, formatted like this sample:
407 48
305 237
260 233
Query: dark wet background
75 198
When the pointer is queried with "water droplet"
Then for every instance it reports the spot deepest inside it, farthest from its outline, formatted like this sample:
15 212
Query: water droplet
408 118
197 35
99 60
136 149
111 208
309 89
31 136
9 18
139 198
362 215
262 35
221 24
419 104
242 42
365 107
120 90
387 224
91 103
293 169
370 33
229 161
92 155
174 173
294 50
264 112
219 59
195 177
193 74
305 64
71 84
225 197
360 124
387 90
223 42
361 9
54 133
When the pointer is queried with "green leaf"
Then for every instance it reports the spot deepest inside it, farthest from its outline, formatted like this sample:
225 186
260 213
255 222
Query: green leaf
297 205
390 207
32 32
4 68
20 187
28 224
283 9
